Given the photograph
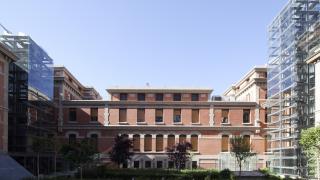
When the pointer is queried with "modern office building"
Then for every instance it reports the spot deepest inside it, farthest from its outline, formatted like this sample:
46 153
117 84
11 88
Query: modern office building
31 109
6 57
288 86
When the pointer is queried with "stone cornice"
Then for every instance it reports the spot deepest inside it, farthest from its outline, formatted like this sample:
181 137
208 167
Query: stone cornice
159 90
159 127
115 104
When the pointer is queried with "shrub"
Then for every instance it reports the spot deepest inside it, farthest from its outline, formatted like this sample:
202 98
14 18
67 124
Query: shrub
226 174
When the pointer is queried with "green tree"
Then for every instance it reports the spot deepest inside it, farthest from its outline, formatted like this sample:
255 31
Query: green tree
310 142
241 150
79 154
40 145
179 154
121 150
55 147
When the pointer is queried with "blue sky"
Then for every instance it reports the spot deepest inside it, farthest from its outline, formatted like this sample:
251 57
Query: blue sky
167 43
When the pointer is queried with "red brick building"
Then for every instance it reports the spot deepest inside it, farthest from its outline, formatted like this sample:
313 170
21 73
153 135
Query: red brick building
6 57
159 118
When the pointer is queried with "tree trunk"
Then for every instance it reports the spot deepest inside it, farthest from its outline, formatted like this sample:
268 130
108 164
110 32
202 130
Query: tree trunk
38 164
55 164
240 166
81 172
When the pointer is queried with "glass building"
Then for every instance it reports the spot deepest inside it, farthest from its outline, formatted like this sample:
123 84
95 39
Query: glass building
35 61
290 86
30 95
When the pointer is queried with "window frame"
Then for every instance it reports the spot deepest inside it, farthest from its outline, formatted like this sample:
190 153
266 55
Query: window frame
198 116
159 96
146 142
72 115
123 96
227 138
92 117
195 97
143 111
245 112
141 96
156 115
175 116
121 118
225 120
177 97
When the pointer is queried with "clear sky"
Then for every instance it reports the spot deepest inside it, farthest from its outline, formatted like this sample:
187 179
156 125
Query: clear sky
167 43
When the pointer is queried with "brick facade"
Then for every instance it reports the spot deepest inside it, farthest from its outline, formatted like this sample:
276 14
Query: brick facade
208 130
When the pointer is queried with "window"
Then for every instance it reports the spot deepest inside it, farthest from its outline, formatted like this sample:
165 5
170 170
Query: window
177 116
159 164
125 165
246 116
136 164
148 142
171 141
159 143
72 114
123 96
94 114
225 116
194 142
159 97
170 164
136 142
94 141
72 138
194 164
182 139
140 115
122 115
177 97
267 143
246 139
194 97
147 164
195 115
125 136
141 96
159 115
225 143
266 115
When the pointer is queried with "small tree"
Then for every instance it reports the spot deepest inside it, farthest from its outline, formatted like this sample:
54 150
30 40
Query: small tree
55 147
40 145
121 150
310 142
79 154
179 154
241 150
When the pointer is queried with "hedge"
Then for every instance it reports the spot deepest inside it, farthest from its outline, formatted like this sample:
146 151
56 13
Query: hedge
102 173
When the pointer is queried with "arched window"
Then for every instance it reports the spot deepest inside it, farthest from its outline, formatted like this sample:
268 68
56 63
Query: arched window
72 138
125 136
246 139
147 142
94 140
225 143
171 141
194 142
136 142
159 143
182 138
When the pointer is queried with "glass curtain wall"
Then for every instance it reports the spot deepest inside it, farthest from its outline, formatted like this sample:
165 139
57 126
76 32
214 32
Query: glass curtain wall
287 86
